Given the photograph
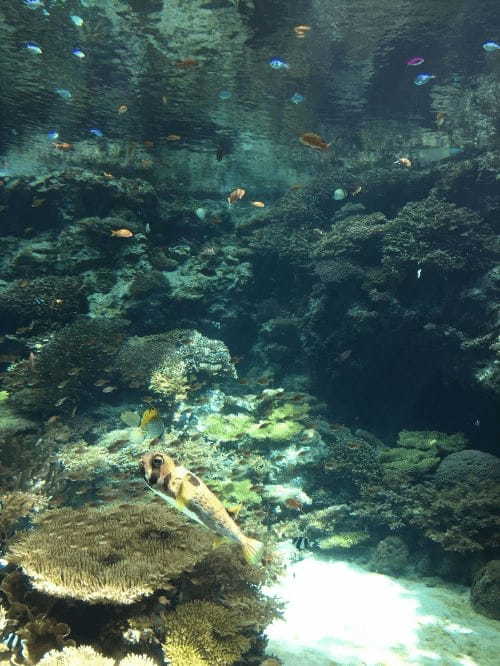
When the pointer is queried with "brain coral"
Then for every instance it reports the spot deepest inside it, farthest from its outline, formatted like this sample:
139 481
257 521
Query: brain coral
468 466
116 554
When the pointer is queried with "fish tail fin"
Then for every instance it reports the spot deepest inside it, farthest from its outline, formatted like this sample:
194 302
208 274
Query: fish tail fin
252 550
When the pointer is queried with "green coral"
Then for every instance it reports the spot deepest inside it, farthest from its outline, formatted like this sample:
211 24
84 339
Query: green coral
431 440
408 461
227 427
420 451
343 540
230 492
277 430
279 425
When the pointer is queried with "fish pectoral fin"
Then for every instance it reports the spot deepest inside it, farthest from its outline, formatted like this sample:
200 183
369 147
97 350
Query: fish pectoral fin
186 492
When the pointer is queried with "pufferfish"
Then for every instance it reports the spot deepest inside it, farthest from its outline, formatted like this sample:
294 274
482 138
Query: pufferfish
187 493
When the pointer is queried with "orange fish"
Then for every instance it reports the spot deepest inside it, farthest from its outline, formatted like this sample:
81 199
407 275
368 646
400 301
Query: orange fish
314 141
293 504
236 195
173 137
258 204
188 494
122 233
123 108
63 145
187 63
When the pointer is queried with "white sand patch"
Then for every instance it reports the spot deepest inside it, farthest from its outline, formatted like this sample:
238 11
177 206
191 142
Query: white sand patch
340 614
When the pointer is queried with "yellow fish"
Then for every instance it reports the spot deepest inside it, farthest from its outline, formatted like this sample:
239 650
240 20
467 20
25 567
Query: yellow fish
148 415
187 492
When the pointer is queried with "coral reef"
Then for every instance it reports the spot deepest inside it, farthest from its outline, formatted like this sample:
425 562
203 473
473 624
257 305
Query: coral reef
390 556
117 554
210 630
485 590
42 302
459 518
469 466
63 373
171 363
17 505
85 655
419 452
343 540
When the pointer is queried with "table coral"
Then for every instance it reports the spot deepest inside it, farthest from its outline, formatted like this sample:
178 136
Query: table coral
114 555
419 452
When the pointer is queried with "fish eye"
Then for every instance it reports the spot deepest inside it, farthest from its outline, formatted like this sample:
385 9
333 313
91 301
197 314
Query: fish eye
157 461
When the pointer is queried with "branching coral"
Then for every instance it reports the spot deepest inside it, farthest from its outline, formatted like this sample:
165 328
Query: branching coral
64 371
43 300
351 462
117 554
211 629
438 235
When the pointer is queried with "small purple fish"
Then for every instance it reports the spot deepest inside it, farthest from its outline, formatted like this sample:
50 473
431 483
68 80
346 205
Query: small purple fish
415 61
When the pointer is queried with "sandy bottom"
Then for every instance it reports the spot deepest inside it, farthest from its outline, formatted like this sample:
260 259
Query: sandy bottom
340 614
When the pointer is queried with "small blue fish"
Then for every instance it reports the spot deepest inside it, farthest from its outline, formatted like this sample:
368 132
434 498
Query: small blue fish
33 4
422 79
489 47
77 20
78 53
96 132
277 63
53 135
62 92
225 94
297 98
34 48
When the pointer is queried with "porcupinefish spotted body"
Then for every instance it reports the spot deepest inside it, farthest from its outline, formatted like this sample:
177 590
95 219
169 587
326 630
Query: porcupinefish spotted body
187 492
